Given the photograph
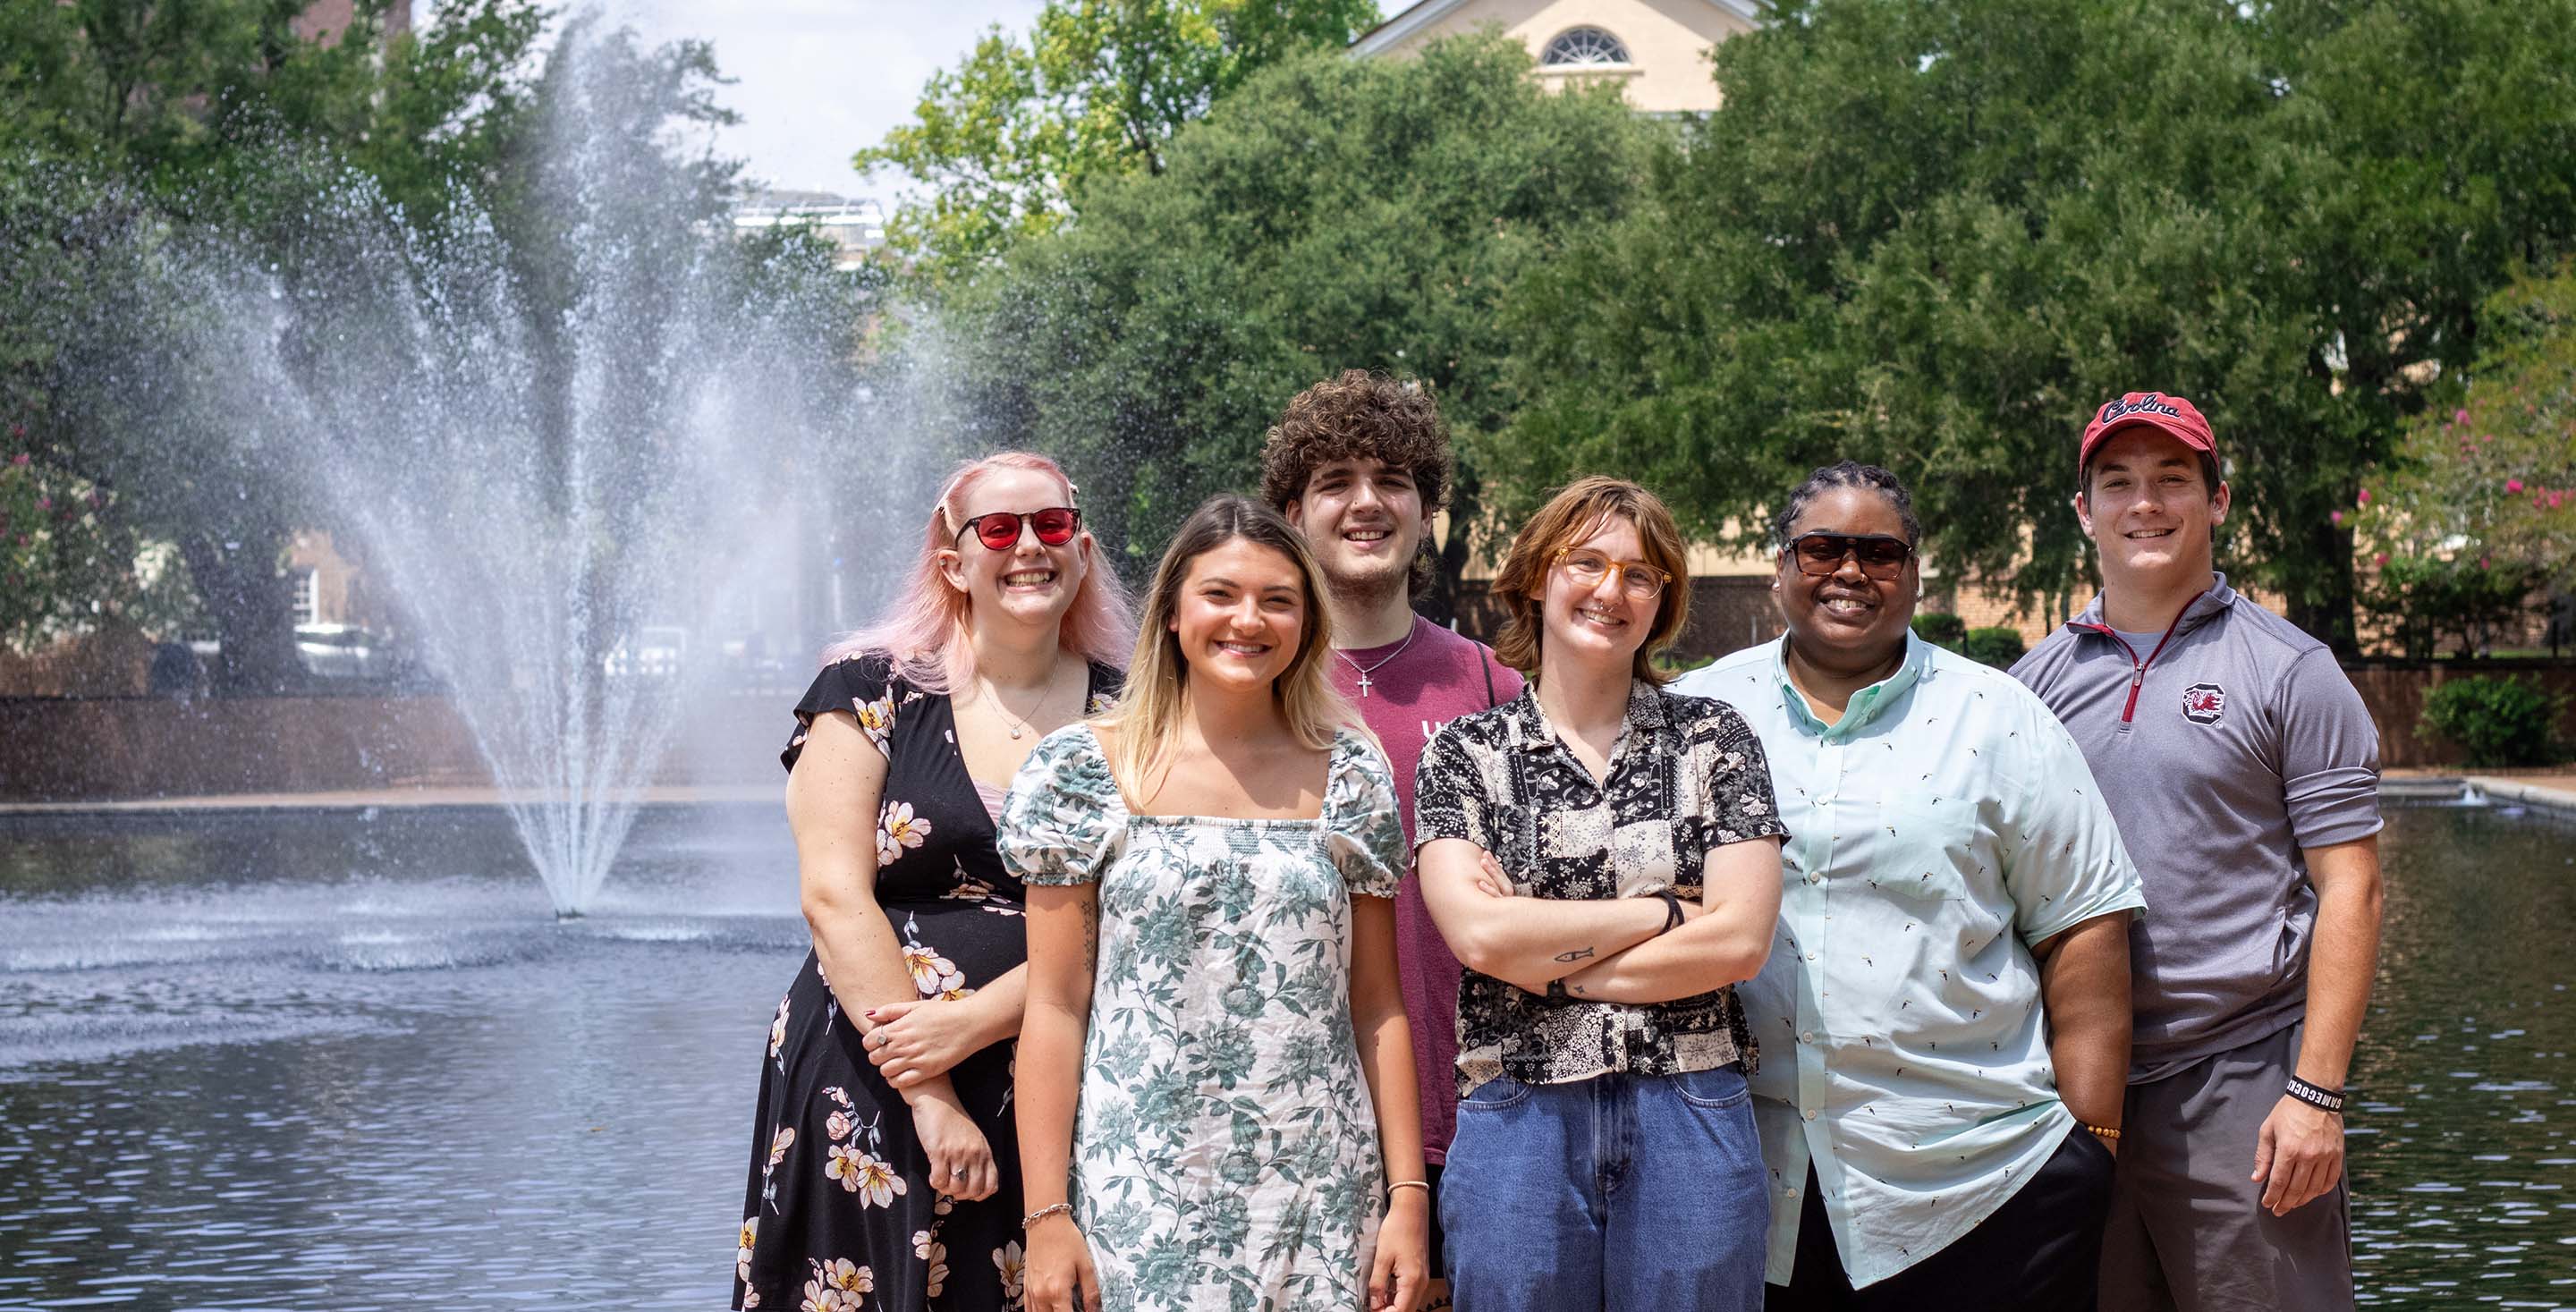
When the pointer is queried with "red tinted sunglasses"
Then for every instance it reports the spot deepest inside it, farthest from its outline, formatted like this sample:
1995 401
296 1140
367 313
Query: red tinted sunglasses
1000 530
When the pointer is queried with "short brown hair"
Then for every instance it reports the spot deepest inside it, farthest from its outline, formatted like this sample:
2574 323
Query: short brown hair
1574 513
1361 415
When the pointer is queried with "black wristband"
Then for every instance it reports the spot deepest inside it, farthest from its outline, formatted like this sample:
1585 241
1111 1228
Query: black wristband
2321 1098
1672 911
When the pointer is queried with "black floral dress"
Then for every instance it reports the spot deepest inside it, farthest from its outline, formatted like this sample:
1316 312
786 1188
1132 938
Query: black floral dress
839 1213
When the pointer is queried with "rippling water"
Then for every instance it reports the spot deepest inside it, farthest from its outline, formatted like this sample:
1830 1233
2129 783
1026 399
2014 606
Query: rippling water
413 1088
233 1074
2464 1141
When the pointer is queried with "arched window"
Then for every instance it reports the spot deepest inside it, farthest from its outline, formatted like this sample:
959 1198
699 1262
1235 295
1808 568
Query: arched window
1581 46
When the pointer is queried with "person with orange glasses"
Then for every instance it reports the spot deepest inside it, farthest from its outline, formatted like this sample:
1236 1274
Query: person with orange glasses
1604 856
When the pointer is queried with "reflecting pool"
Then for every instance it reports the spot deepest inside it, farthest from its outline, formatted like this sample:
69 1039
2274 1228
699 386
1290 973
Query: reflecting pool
234 1074
2464 1137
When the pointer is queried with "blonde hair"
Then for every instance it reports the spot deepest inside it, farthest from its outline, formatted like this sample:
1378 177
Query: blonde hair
1576 512
1147 717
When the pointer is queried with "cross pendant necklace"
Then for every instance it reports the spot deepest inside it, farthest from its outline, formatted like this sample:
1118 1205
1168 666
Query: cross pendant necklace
1366 670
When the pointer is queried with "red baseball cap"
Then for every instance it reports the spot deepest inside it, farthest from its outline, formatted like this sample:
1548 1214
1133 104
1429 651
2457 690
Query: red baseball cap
2162 411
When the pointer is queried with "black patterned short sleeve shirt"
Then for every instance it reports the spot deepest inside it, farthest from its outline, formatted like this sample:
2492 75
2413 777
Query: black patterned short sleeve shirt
1686 777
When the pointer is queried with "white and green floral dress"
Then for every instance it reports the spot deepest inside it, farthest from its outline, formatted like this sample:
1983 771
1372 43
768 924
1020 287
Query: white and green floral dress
1225 1150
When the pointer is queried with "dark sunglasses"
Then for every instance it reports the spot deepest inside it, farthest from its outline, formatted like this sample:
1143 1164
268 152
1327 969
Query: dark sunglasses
1000 530
1880 557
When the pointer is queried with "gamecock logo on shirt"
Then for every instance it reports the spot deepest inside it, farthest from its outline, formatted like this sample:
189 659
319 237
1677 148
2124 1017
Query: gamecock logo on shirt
2203 703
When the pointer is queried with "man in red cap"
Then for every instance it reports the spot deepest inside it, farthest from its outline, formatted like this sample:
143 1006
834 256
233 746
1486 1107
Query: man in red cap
2244 773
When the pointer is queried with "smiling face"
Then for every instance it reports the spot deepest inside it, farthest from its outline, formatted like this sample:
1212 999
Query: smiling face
2149 509
1363 519
1030 581
1599 624
1846 618
1240 615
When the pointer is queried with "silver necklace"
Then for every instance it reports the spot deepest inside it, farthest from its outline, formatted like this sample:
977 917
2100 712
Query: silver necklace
1365 671
994 695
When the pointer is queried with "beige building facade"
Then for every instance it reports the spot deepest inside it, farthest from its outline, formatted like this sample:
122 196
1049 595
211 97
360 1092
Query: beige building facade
1656 50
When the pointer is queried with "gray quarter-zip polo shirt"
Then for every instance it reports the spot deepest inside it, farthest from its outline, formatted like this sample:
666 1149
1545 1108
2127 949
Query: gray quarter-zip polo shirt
2222 753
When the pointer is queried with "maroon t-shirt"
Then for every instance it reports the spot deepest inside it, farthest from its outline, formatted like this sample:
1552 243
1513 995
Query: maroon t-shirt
1436 677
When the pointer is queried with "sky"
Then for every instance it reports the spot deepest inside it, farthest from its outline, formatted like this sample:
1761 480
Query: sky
818 79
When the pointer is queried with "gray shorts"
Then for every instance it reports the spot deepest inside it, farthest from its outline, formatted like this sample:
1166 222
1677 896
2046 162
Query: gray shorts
2187 1232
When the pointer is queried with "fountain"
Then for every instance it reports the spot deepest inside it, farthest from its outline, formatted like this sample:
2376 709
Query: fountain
553 433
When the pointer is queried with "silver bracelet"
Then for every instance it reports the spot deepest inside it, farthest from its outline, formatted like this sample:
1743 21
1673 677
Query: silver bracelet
1051 1209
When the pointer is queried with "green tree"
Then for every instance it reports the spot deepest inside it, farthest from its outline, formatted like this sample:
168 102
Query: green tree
130 130
1330 213
1009 138
1936 234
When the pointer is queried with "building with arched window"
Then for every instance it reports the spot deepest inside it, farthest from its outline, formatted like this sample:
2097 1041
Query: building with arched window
1657 50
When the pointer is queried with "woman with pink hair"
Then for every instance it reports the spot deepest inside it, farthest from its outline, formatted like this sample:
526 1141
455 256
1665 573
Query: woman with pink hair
884 1168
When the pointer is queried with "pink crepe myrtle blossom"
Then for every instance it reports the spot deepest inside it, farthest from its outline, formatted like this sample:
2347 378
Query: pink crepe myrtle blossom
2513 485
2336 517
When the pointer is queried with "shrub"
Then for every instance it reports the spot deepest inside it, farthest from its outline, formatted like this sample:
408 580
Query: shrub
2496 721
2425 602
1998 647
1941 628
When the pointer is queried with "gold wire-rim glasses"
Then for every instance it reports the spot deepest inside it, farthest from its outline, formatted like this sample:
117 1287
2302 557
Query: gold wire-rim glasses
1657 579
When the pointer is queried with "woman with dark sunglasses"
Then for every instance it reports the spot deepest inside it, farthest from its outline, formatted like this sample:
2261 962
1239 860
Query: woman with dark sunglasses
884 1166
1944 1015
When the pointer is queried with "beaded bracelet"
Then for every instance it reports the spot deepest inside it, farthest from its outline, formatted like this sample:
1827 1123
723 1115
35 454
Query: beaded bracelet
1051 1209
2111 1133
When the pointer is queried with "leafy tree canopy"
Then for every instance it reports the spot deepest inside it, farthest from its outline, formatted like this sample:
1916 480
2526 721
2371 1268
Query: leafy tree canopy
1331 213
1006 141
1936 235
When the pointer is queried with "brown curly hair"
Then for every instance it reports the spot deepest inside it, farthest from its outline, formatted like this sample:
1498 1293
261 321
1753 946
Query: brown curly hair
1366 415
1577 511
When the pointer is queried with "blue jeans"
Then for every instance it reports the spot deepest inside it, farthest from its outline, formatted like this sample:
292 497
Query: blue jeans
1621 1193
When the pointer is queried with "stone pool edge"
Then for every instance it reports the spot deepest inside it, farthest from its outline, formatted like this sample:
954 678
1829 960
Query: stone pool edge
2481 789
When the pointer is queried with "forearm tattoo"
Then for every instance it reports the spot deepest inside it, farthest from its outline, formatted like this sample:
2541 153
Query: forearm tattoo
1576 955
1091 936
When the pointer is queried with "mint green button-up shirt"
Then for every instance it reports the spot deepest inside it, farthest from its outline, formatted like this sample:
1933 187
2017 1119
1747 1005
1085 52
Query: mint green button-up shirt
1942 826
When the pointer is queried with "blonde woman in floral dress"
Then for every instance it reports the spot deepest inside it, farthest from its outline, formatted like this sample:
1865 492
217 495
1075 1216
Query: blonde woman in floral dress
1212 978
883 1172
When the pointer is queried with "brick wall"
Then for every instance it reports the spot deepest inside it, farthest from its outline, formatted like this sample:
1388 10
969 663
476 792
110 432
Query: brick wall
99 748
2395 692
